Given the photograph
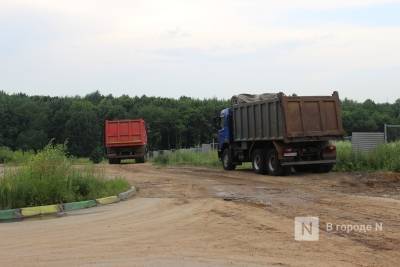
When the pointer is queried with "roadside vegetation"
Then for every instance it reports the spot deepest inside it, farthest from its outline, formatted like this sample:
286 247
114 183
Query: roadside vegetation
14 157
18 157
49 178
182 157
384 158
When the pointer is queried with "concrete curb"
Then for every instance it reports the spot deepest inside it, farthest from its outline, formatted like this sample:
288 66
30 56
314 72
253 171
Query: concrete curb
10 214
107 200
125 195
79 205
13 214
40 210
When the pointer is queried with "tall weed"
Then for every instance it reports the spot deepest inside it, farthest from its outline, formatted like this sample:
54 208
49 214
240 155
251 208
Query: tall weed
49 178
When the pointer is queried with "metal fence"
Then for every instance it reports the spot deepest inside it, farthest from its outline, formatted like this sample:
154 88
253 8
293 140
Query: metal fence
392 132
203 148
366 141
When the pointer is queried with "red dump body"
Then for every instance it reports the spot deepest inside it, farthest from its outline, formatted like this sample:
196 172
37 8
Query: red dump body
125 133
125 139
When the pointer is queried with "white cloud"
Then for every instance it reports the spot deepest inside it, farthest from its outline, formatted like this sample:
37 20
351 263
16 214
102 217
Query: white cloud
317 4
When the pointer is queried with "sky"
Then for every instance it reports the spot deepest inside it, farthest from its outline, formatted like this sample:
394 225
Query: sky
201 49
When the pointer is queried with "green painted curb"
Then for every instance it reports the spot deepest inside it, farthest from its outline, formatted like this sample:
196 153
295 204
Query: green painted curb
53 209
10 214
79 205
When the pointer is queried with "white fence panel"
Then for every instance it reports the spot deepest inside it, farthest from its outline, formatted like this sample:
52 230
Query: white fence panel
366 141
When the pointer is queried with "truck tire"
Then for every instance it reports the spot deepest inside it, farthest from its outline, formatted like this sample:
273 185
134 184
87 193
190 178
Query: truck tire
259 161
114 161
227 161
140 160
274 166
303 168
323 168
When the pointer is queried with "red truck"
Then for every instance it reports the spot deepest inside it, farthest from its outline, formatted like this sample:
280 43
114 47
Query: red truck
125 139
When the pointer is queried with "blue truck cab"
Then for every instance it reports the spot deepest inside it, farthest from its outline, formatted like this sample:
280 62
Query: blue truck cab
225 133
225 136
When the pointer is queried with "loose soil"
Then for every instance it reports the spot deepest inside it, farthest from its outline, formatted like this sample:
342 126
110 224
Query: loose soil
186 216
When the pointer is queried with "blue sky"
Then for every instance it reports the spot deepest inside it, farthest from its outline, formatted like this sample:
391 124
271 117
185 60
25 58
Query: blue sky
201 48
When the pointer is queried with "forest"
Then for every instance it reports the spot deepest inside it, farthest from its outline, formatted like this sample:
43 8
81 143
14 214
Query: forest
30 122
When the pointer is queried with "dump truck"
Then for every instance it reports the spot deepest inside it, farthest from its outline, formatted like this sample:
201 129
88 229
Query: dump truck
277 133
125 139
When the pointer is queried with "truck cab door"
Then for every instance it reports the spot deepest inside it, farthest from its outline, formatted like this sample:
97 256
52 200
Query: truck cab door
224 131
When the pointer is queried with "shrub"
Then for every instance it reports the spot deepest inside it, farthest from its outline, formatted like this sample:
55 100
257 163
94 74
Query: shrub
6 155
17 157
49 178
96 156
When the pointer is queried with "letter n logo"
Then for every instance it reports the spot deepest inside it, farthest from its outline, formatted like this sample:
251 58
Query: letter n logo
306 228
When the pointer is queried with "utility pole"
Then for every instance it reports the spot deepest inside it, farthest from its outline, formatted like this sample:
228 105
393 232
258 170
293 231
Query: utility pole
385 130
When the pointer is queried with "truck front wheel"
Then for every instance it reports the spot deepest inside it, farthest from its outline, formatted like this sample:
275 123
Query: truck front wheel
274 166
259 161
227 161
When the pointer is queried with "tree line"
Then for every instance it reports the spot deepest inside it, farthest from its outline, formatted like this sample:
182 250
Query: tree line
30 122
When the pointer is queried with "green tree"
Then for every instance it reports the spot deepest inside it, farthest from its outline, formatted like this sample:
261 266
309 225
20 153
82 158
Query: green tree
32 140
82 129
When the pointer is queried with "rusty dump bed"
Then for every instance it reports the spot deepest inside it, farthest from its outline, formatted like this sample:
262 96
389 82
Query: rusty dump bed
288 118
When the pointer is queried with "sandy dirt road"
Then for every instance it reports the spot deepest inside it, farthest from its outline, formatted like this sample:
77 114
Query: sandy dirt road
187 216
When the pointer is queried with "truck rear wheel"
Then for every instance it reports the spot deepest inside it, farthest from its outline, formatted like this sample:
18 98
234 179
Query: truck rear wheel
259 161
274 166
227 161
140 160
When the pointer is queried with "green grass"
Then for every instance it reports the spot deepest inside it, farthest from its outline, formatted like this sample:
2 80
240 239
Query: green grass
49 178
384 158
208 159
80 161
14 157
